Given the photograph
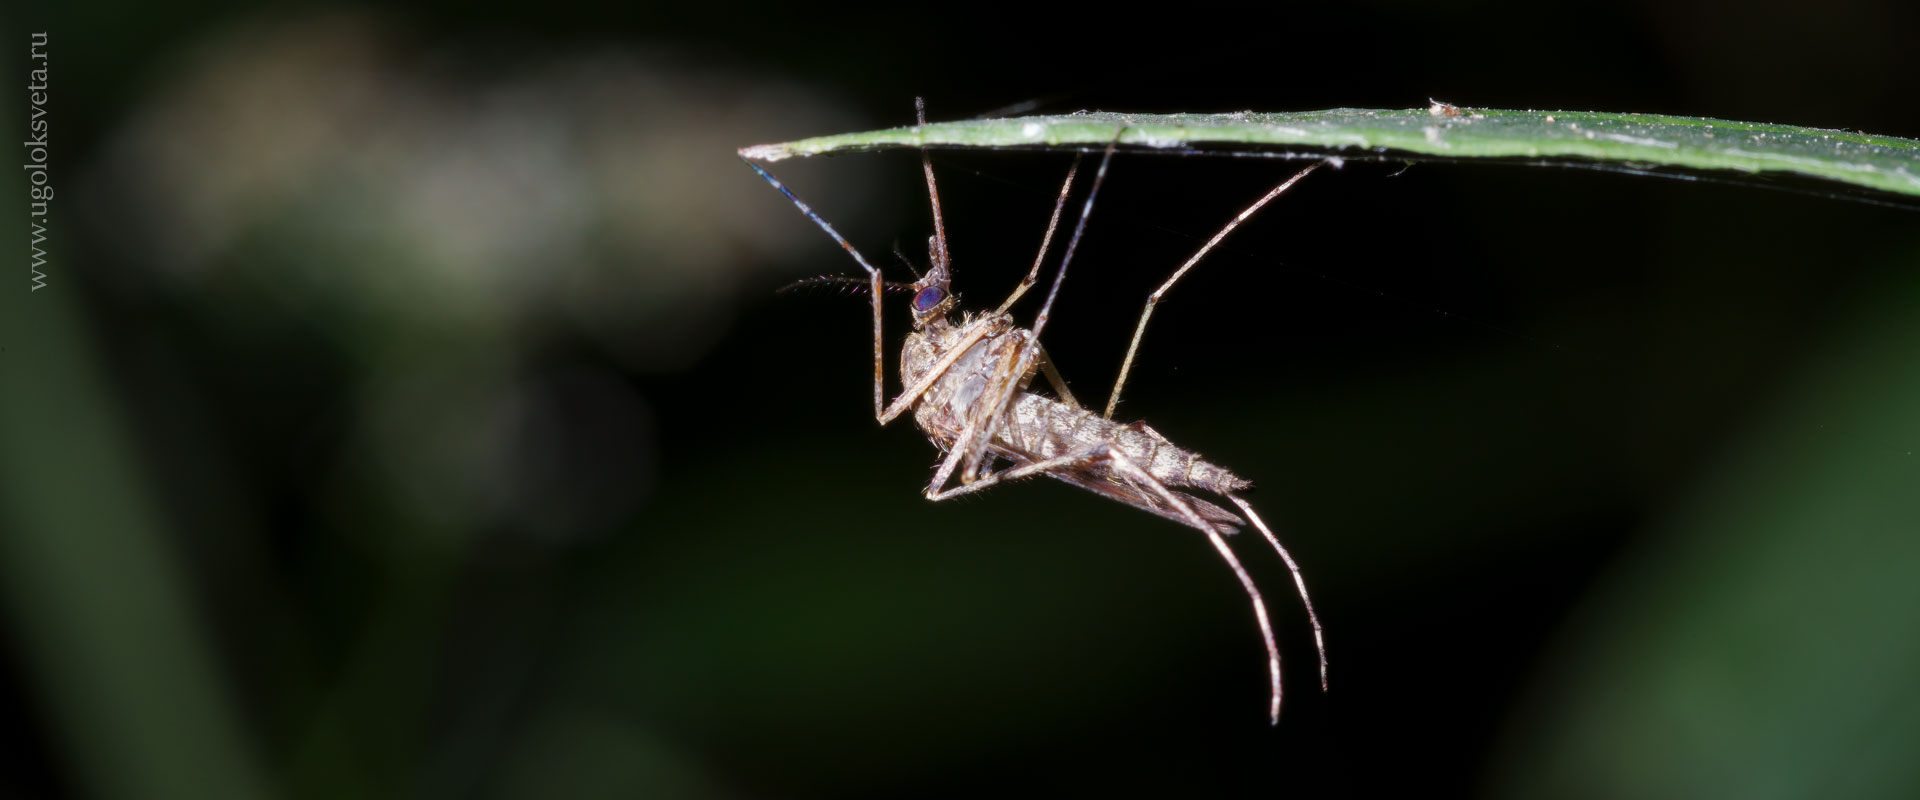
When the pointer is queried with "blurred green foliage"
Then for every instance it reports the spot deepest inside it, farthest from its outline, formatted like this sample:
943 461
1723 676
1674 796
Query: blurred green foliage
1761 645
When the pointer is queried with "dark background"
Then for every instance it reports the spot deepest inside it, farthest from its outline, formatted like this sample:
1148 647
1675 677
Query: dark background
411 414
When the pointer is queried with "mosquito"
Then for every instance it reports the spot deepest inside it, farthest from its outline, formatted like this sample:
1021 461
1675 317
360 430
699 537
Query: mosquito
966 382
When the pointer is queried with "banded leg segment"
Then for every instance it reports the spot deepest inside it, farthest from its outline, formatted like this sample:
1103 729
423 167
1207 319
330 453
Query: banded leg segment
873 275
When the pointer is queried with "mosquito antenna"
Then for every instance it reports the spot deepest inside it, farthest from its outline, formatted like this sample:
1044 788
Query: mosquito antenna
940 258
1099 176
844 280
907 261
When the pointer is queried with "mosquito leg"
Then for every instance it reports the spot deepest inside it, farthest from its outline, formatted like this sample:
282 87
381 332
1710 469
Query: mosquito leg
1133 472
1012 378
904 261
1126 365
1007 382
970 447
1016 473
986 413
1033 275
955 455
873 275
1299 582
1058 383
1080 227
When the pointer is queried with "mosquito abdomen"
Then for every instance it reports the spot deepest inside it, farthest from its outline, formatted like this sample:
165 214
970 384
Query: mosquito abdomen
1044 427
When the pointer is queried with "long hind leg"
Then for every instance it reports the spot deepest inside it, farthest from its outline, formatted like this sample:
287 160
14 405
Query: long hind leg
1141 477
1119 463
1299 582
1126 365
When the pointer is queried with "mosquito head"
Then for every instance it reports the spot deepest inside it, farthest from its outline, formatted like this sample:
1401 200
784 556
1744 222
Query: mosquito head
931 301
932 297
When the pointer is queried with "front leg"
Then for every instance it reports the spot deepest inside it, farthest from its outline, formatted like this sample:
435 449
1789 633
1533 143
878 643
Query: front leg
980 330
873 277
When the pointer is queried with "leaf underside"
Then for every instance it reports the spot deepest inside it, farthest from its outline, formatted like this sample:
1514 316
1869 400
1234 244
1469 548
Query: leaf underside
1634 142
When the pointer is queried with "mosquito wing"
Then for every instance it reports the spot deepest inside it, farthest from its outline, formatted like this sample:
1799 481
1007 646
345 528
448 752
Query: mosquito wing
1147 500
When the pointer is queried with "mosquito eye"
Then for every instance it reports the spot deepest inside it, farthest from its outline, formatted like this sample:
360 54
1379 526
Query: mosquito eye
928 298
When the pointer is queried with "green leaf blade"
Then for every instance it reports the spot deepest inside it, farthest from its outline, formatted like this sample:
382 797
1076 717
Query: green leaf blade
1883 163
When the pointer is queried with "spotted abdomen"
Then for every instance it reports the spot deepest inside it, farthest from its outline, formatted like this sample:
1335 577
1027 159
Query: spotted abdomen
1043 428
